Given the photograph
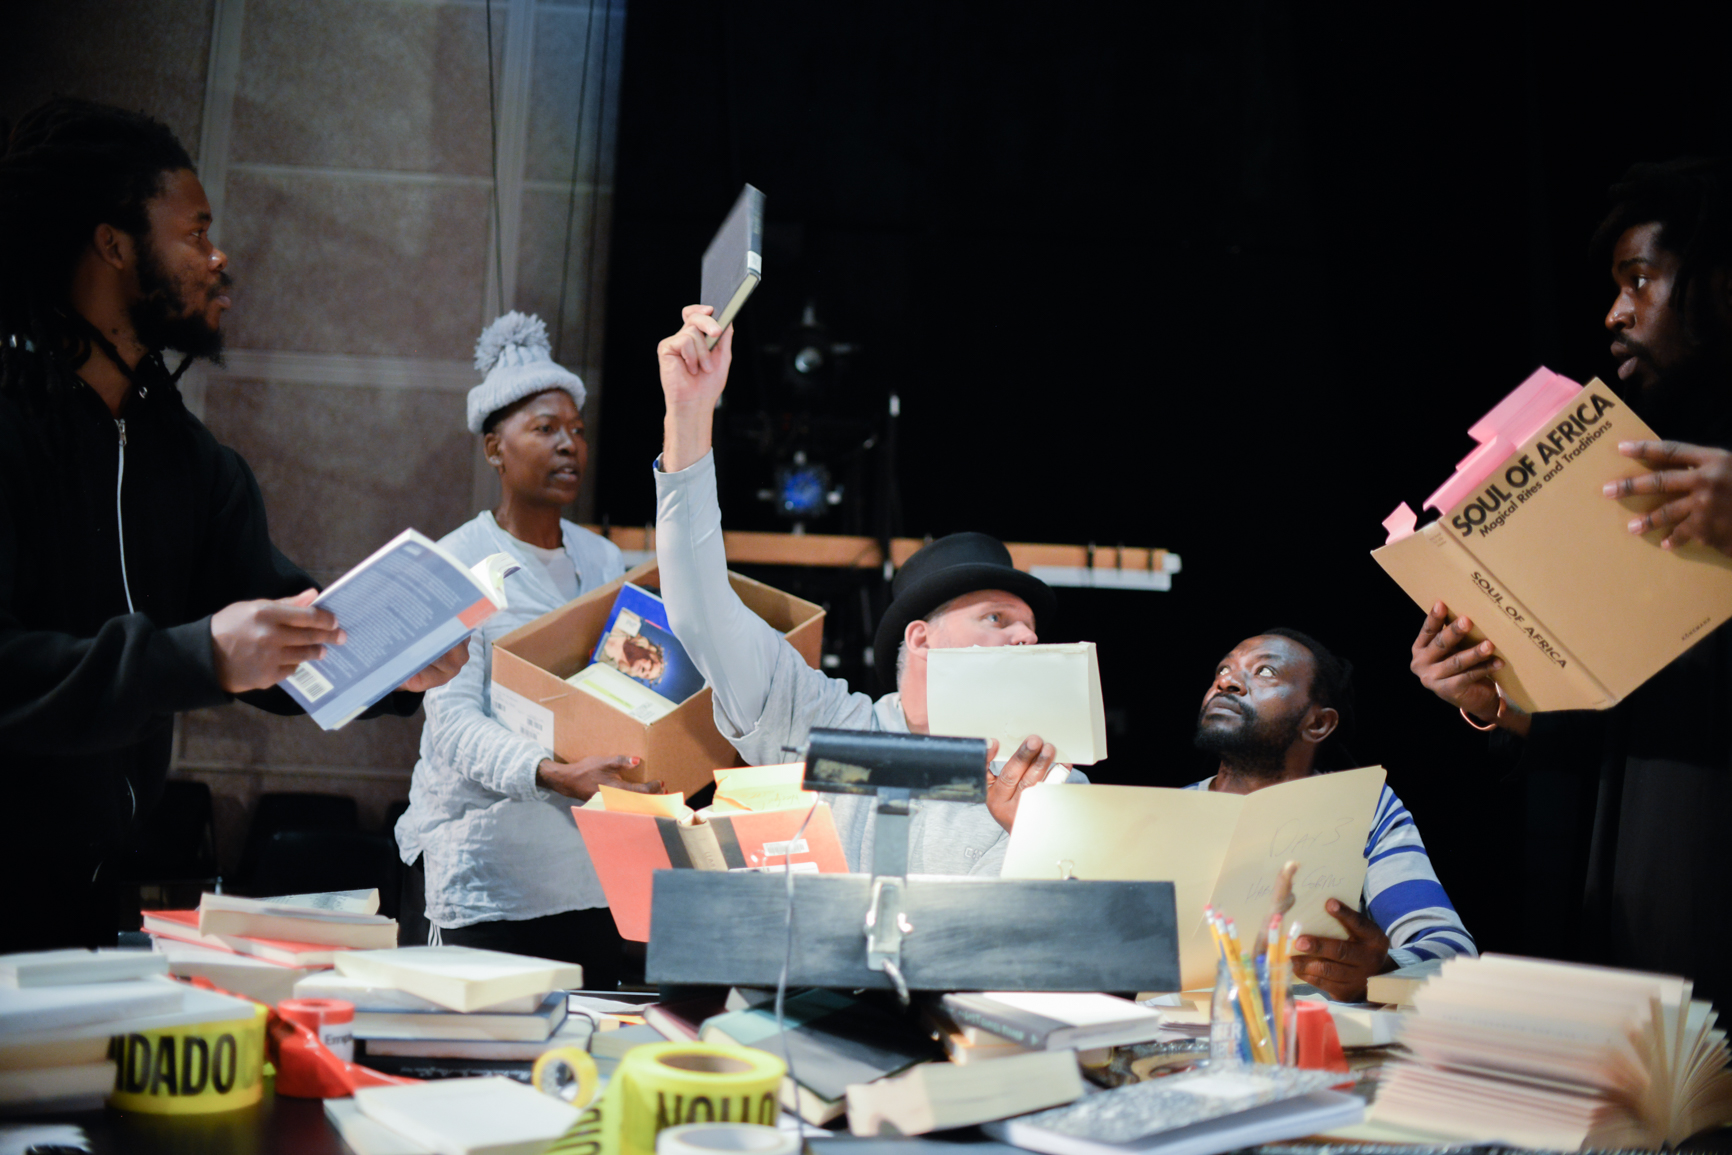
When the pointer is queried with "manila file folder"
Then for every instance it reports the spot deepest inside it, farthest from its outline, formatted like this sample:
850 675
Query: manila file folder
1224 849
1010 692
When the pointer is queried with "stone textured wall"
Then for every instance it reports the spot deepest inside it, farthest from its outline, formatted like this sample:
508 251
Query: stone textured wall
346 146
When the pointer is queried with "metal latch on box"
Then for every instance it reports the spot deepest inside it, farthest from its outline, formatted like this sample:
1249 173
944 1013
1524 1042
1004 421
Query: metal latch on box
886 922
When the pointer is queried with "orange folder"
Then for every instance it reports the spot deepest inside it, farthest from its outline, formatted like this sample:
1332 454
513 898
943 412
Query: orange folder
627 850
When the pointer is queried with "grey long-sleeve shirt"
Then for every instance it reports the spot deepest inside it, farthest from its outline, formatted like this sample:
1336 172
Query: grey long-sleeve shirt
767 699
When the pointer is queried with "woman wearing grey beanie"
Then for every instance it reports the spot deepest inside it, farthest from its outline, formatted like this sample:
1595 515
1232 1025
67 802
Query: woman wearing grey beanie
489 810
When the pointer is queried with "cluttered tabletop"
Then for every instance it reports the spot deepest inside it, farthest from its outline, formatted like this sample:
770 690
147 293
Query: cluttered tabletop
472 1052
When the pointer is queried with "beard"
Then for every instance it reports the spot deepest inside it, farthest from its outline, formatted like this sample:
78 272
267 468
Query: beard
162 317
1257 748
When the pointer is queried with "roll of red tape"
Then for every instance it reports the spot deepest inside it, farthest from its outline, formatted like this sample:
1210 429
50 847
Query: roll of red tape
333 1020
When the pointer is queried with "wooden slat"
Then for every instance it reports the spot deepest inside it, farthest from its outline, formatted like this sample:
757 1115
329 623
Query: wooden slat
840 552
729 929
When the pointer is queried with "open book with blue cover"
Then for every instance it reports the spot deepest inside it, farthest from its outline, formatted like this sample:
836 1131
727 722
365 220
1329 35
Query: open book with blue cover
638 665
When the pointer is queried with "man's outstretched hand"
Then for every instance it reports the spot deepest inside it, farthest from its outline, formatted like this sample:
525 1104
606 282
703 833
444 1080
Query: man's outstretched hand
693 377
1340 968
1028 766
581 779
1697 482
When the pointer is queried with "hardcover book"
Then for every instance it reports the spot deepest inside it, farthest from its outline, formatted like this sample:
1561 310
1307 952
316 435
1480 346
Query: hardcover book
734 262
1528 547
831 1041
1050 1021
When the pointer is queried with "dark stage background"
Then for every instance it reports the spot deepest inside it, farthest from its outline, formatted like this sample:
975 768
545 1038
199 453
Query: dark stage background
1230 279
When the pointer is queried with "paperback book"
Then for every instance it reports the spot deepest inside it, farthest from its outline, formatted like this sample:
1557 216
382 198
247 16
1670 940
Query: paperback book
401 608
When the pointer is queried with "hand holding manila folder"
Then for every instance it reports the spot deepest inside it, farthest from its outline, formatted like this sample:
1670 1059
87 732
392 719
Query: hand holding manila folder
1227 849
1010 692
1530 550
630 836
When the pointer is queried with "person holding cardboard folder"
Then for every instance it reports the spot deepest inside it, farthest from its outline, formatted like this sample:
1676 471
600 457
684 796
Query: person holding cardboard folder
1655 770
959 591
137 574
1279 709
488 810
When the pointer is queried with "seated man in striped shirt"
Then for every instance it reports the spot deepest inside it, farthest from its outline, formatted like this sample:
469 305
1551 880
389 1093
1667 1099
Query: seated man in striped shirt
1279 708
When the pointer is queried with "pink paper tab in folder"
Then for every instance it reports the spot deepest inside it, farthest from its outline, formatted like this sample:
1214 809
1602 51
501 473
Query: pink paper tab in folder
1512 421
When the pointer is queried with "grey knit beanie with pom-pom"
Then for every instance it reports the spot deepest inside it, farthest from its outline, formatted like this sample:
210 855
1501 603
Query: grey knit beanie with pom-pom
518 359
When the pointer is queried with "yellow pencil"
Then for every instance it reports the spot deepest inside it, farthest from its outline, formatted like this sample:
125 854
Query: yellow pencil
1250 999
1277 988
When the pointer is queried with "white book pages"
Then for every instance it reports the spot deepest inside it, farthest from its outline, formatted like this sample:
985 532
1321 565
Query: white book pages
37 1009
331 985
369 1136
353 905
189 1005
458 978
56 968
55 1085
489 1116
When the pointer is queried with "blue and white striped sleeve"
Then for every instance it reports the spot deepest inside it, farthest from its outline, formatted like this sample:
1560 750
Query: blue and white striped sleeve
1402 893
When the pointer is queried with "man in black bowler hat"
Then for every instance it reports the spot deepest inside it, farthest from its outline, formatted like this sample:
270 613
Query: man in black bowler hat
961 590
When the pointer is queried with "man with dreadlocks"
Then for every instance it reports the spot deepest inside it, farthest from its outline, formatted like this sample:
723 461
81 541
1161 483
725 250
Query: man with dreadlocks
1280 708
1648 876
137 578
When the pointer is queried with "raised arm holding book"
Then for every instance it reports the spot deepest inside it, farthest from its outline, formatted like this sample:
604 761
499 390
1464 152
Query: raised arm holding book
959 591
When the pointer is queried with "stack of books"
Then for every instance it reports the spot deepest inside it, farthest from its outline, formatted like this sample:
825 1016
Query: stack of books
261 947
448 1008
883 1067
1520 1052
60 1009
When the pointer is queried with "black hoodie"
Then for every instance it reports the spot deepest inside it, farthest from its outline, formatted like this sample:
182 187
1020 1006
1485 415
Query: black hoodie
97 653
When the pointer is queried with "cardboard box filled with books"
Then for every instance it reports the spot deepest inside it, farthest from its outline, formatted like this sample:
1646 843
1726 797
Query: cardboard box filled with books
681 747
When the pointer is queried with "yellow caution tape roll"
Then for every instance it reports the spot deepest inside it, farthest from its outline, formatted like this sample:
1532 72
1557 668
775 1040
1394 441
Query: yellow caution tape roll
661 1085
195 1069
567 1074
